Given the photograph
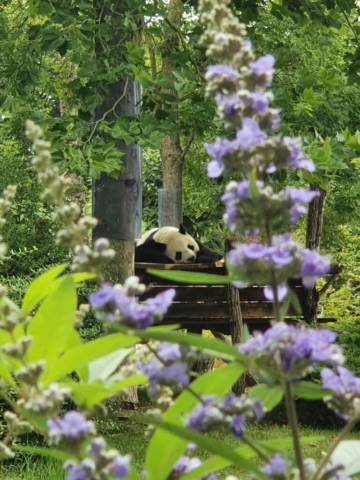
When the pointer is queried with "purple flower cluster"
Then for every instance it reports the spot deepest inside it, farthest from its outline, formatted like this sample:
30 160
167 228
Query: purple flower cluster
170 366
276 468
69 433
240 87
283 259
229 412
186 464
116 305
246 213
294 350
345 392
73 426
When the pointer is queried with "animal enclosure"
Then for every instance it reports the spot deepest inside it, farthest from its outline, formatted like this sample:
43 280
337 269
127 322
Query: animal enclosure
206 307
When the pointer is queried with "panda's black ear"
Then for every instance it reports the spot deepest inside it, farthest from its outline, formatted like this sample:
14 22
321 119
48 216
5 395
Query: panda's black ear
182 229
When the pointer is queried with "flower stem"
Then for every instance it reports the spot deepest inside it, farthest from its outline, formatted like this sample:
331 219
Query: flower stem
292 417
255 448
346 429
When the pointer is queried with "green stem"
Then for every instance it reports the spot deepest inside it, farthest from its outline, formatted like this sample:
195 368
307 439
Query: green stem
292 417
255 448
346 429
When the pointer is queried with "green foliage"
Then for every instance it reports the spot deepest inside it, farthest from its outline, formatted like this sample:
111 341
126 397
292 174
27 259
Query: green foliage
29 228
344 305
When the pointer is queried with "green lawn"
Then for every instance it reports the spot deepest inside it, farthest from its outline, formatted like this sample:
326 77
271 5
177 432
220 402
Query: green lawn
128 436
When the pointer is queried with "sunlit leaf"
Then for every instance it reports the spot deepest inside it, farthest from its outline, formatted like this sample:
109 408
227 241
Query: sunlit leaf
40 287
165 444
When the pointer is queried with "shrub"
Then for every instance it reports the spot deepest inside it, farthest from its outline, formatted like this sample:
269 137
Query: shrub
29 229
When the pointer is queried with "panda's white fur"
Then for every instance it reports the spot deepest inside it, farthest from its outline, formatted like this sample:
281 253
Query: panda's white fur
180 246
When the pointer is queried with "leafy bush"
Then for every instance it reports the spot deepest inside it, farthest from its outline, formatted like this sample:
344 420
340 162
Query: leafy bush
344 305
29 228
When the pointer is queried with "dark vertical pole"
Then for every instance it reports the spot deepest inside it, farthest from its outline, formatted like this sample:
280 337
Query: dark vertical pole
117 202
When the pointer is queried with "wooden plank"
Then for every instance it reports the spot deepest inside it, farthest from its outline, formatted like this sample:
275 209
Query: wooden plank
219 310
218 266
209 293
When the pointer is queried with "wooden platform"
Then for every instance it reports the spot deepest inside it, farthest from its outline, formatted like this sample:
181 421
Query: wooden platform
205 307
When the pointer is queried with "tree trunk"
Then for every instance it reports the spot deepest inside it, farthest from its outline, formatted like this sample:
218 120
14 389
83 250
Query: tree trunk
236 325
171 152
313 240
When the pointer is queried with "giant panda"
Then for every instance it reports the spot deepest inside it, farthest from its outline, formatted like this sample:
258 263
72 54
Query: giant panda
205 255
172 245
175 244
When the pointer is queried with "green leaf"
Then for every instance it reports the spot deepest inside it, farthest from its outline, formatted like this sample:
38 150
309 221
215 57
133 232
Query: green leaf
82 276
308 390
52 38
53 323
81 356
165 444
5 372
162 328
253 189
210 345
212 446
191 277
103 367
89 394
136 53
44 452
269 396
347 454
40 287
272 446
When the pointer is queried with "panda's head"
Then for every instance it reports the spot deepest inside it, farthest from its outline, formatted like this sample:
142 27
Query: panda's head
180 246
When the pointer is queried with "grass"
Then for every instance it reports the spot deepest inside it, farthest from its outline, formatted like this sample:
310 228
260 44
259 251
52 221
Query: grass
129 437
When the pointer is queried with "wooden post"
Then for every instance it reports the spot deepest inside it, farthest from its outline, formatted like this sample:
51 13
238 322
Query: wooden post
236 323
117 201
313 239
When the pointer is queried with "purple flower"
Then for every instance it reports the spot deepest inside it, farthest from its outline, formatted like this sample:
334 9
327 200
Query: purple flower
293 348
185 465
204 414
225 72
73 426
259 102
341 382
264 66
313 267
249 135
103 298
127 309
296 157
169 352
96 448
176 373
120 467
229 104
81 471
279 257
299 197
237 426
276 467
281 292
217 150
214 169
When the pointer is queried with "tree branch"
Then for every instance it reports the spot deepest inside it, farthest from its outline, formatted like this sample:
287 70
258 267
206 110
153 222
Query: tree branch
188 145
183 44
109 111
